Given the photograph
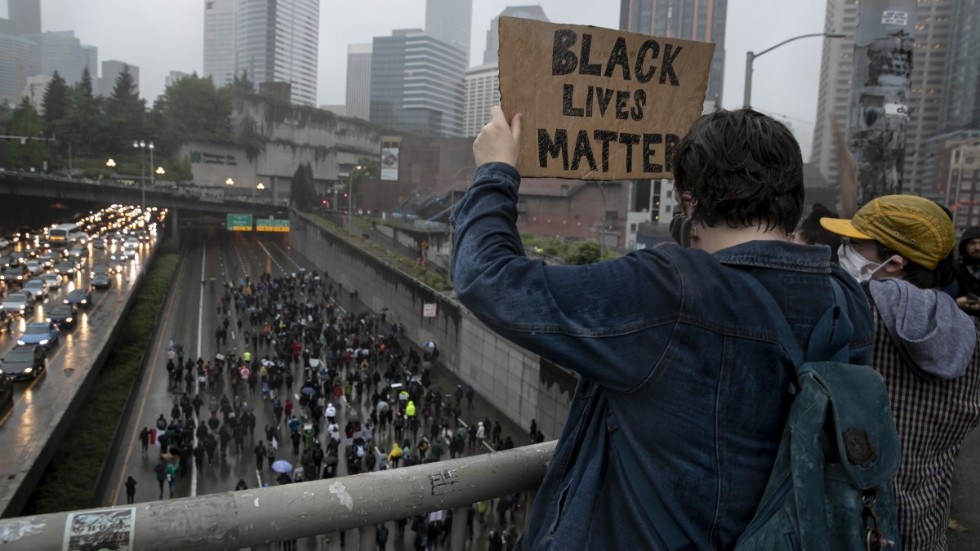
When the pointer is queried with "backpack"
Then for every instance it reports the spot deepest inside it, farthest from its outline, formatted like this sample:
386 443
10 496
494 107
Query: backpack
831 483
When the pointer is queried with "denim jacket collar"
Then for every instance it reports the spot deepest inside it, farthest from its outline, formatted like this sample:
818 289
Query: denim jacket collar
779 255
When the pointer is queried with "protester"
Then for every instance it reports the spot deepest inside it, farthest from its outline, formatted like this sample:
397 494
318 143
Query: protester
675 349
925 348
130 490
968 272
810 232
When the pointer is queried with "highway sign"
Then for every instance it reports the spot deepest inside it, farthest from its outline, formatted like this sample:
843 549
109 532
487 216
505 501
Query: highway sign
271 224
239 222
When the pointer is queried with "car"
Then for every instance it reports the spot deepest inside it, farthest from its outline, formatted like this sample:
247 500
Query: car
48 259
23 363
101 281
66 268
81 298
131 243
116 264
15 273
18 303
40 332
77 252
34 267
4 243
100 269
37 288
6 320
130 254
65 316
53 281
5 261
98 243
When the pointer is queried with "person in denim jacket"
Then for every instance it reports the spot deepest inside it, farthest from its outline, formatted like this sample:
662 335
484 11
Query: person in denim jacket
673 349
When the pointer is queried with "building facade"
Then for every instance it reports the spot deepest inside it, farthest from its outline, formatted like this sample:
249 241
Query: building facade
271 40
482 93
702 20
62 52
18 62
25 15
417 84
359 81
450 21
490 54
958 175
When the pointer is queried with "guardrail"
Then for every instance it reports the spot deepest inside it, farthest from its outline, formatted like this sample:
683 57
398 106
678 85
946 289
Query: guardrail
232 520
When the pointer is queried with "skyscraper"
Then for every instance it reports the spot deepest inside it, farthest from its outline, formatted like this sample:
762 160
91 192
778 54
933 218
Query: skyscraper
25 15
702 20
493 38
482 93
273 41
833 100
18 61
61 51
221 41
417 84
450 21
932 80
359 81
962 80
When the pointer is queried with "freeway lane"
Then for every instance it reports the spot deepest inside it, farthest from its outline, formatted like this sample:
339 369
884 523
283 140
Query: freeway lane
40 406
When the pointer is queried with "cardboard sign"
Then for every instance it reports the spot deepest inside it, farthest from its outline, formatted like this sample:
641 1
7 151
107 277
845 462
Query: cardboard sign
599 104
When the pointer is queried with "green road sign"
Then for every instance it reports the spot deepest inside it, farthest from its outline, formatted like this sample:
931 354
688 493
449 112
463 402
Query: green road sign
239 222
271 224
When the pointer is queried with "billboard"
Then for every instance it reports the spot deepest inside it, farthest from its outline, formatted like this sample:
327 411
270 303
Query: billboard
390 146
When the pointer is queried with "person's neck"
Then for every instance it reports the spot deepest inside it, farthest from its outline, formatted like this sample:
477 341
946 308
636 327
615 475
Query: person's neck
712 240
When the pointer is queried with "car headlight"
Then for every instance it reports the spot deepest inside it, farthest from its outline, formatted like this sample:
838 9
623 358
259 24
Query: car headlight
44 342
48 320
68 320
29 370
21 342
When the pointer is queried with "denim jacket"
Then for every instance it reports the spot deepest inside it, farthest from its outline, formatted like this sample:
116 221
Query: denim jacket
672 346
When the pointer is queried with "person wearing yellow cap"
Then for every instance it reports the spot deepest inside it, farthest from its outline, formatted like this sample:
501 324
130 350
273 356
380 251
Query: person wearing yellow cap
925 349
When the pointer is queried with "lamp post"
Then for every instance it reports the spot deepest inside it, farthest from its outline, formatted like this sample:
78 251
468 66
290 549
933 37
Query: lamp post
259 188
143 146
350 198
110 166
750 57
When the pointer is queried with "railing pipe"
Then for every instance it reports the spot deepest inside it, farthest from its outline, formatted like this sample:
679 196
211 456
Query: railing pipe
260 516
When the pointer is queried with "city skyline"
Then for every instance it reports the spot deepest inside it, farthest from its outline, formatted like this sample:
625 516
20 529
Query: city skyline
785 81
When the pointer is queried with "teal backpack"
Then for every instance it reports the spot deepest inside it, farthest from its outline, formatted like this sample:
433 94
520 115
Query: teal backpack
831 483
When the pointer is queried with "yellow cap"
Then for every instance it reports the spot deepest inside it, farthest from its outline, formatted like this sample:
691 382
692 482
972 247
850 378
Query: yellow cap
912 226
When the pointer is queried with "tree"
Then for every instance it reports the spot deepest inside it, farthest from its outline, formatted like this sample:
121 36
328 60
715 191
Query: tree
57 113
30 152
370 170
124 114
585 252
86 119
302 193
192 109
242 84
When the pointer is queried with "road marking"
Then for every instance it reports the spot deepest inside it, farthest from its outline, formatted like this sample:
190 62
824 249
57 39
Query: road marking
197 390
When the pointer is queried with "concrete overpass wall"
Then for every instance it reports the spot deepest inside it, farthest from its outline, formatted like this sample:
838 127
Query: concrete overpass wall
511 378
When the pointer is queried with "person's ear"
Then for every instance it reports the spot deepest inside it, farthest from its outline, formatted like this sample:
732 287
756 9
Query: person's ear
894 265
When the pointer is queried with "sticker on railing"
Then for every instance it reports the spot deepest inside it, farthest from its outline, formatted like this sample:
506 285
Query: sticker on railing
442 480
338 489
106 529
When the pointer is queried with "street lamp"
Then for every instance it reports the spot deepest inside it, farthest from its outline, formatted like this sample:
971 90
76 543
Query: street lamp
750 57
110 165
259 188
350 198
143 146
160 171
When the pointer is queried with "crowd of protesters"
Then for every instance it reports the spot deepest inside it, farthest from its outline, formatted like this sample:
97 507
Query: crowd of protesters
338 388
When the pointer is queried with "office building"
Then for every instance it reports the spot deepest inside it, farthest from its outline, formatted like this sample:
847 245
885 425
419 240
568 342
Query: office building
25 16
482 93
359 81
273 41
450 21
961 95
702 20
834 97
493 37
18 62
35 89
220 40
417 84
62 52
111 69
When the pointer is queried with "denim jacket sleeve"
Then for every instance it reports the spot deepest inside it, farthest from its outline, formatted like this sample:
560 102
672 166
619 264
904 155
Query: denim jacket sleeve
576 316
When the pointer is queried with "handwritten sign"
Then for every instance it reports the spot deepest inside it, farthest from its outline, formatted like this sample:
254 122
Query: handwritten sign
599 104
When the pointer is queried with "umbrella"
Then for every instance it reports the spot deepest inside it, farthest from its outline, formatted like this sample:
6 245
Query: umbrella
429 345
282 466
307 390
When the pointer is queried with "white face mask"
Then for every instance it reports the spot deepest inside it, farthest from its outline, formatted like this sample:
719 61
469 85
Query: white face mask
859 267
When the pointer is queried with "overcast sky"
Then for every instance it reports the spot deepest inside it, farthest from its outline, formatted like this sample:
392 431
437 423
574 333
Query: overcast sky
164 35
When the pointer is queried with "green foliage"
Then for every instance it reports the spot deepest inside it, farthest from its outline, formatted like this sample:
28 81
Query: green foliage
583 252
57 113
86 121
250 139
302 191
68 483
192 109
124 114
574 253
24 121
242 84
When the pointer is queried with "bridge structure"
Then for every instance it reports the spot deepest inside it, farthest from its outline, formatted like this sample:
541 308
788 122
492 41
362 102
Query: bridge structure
188 205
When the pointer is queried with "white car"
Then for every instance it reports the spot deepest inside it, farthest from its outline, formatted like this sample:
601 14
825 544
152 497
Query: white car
4 243
18 303
37 288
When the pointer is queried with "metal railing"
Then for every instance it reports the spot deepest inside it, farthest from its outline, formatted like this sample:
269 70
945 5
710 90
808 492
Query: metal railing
232 520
